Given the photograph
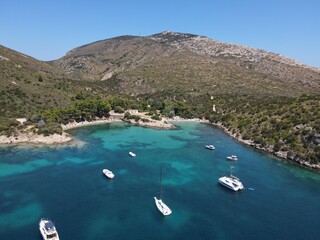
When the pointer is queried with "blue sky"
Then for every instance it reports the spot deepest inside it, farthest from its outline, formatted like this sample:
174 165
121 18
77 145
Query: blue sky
47 29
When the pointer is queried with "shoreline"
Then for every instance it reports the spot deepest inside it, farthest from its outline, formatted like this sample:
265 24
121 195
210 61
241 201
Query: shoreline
64 138
73 125
31 138
54 139
281 155
179 119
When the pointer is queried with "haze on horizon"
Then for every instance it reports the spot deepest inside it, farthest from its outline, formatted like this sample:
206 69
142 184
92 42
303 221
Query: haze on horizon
48 30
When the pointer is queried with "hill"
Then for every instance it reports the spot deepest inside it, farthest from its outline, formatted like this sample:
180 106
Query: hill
29 86
139 65
257 96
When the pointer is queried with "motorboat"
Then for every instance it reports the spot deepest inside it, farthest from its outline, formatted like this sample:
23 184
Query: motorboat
108 173
231 182
132 154
162 207
48 230
232 157
211 147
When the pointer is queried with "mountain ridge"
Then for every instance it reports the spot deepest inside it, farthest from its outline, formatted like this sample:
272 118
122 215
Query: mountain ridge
125 57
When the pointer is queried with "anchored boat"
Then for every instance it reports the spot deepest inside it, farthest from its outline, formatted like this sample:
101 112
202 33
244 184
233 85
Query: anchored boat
162 207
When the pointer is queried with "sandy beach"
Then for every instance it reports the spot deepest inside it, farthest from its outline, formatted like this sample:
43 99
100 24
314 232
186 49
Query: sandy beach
153 124
179 119
72 125
164 123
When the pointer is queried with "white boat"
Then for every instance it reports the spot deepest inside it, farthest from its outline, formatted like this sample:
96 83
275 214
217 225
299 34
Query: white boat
132 154
231 182
48 230
232 157
211 147
162 207
108 173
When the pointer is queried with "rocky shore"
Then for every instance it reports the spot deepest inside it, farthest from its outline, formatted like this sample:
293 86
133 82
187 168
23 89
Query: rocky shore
32 138
269 149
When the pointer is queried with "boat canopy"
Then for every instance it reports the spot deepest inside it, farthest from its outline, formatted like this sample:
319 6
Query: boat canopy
49 225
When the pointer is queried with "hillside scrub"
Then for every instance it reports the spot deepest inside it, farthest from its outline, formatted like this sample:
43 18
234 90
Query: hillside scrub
290 125
82 110
287 125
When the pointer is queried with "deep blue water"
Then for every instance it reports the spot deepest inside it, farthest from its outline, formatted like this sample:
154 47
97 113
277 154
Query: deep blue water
66 184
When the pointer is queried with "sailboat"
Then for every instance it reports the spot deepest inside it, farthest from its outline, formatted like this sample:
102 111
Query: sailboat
162 207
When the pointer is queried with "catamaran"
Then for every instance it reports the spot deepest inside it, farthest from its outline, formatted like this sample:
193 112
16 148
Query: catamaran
48 230
231 182
162 207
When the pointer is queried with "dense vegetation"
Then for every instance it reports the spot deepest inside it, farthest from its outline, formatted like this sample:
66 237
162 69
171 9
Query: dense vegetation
288 125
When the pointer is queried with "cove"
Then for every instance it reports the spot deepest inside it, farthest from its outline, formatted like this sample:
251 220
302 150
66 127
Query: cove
66 184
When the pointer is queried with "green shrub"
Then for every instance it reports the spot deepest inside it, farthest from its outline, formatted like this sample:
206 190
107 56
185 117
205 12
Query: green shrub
118 109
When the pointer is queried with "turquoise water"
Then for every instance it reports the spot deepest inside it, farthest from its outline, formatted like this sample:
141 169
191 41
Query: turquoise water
66 184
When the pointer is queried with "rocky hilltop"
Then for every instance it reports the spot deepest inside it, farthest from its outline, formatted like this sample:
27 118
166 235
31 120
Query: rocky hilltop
152 63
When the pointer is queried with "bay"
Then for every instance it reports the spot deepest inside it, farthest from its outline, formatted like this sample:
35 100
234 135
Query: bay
66 184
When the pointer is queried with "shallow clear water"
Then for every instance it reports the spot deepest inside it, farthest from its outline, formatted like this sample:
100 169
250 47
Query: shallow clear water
66 184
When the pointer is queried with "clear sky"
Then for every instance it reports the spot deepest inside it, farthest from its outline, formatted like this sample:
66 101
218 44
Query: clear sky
47 29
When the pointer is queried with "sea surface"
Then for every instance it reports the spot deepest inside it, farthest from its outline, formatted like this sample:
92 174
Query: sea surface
66 184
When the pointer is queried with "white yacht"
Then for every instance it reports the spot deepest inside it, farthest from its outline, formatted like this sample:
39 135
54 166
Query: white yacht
162 207
211 147
232 157
48 230
108 173
231 182
132 154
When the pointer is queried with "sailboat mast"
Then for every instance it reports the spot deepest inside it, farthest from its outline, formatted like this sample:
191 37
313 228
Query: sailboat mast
232 166
161 183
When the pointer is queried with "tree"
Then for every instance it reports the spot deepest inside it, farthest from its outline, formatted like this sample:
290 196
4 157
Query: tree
118 109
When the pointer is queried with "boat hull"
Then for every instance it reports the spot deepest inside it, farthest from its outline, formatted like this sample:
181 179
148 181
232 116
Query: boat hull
162 207
232 158
210 147
108 173
132 154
